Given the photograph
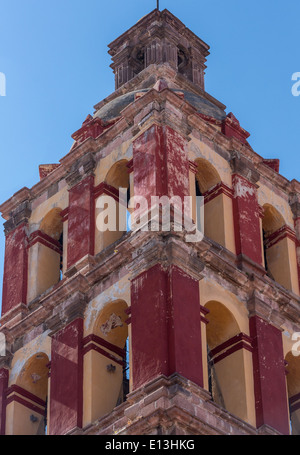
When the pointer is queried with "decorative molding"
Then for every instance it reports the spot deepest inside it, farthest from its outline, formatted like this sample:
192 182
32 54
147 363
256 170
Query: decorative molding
25 398
215 191
234 344
282 233
44 239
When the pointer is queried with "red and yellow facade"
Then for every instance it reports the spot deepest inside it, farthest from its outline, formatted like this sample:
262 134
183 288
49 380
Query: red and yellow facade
205 328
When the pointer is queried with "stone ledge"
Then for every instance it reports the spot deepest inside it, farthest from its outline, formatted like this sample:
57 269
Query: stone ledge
168 406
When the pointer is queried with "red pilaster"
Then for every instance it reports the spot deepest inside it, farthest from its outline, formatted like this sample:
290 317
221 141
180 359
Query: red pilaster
15 268
161 165
297 228
166 325
4 374
269 376
66 394
246 219
81 220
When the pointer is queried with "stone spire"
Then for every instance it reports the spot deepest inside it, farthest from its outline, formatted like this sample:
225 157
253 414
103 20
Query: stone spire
159 38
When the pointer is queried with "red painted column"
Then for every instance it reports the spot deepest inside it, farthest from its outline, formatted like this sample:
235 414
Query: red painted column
269 376
81 220
246 219
166 325
160 162
66 380
15 268
4 374
297 227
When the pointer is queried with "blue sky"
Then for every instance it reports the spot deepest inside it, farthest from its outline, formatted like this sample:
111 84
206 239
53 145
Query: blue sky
54 57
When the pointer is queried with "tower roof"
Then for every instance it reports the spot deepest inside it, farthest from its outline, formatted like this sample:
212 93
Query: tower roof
158 38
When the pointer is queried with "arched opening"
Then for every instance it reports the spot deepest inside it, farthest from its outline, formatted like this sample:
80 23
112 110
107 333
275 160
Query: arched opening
27 398
218 216
293 389
46 254
279 249
106 362
184 62
228 359
112 213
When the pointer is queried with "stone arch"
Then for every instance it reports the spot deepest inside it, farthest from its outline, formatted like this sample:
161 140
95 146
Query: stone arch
46 254
118 175
105 358
52 224
229 360
27 398
112 205
293 389
207 176
110 324
279 249
272 219
216 207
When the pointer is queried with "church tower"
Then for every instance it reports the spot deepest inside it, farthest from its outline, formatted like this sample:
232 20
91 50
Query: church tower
151 278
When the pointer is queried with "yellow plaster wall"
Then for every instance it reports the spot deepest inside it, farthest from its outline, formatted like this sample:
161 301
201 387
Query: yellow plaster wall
40 344
37 351
236 383
108 237
58 200
228 224
121 152
282 262
212 291
239 399
198 149
43 270
101 388
18 421
267 196
117 291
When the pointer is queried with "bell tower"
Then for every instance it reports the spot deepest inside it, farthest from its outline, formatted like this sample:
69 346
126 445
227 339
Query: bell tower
159 38
146 329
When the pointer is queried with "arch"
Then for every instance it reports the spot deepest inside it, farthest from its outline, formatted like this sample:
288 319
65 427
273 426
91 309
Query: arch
207 176
229 362
272 220
279 249
110 208
46 254
106 382
222 324
205 181
293 389
27 398
110 324
118 175
52 224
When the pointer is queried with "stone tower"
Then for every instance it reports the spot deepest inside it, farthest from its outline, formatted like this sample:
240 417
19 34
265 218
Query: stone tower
142 331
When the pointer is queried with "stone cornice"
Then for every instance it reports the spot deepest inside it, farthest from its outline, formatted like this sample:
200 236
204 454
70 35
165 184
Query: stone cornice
12 203
165 402
60 304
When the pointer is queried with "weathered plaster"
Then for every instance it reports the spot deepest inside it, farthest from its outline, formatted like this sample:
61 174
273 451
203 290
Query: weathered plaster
118 291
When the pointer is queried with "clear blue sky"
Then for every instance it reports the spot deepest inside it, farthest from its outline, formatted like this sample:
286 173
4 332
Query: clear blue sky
54 57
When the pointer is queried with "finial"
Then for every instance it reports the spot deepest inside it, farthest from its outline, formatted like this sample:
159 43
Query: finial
157 6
